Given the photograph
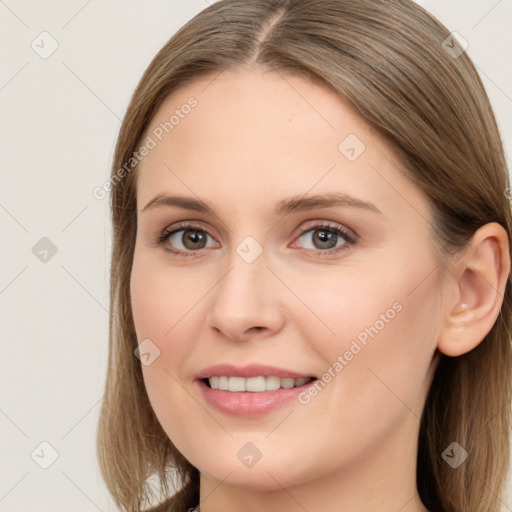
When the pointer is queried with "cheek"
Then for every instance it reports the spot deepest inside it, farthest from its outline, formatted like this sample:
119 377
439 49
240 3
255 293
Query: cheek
162 299
163 312
375 330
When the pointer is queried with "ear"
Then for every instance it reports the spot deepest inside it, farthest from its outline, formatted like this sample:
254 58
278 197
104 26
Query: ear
478 281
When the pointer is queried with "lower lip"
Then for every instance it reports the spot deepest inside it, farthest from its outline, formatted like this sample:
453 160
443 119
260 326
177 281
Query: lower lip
249 404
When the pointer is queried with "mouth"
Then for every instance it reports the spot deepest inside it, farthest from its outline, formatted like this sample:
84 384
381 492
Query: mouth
258 384
252 390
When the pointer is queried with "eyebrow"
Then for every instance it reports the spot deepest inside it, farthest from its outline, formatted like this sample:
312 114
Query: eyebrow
293 204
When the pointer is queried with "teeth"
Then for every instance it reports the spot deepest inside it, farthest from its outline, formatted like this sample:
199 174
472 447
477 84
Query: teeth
255 384
223 383
288 383
236 384
272 383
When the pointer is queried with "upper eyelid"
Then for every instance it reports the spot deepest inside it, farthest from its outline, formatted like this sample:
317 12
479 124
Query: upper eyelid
305 226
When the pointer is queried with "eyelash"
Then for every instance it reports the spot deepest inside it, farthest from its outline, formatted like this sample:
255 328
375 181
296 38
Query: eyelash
166 233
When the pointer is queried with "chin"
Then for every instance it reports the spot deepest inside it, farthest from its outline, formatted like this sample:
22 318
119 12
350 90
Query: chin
270 475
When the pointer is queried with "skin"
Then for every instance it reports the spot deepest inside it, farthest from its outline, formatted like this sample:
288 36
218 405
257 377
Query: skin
255 138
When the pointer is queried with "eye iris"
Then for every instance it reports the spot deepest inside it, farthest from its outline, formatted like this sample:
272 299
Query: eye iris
196 236
325 236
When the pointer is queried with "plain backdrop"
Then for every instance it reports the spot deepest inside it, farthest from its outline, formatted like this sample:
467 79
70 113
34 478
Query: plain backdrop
60 115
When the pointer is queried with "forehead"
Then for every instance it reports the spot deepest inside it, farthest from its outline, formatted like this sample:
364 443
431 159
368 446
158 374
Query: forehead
250 136
257 106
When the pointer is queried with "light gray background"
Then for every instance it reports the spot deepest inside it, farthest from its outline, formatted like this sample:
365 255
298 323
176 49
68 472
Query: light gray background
60 117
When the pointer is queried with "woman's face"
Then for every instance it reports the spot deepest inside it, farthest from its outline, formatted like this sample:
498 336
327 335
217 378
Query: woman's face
264 279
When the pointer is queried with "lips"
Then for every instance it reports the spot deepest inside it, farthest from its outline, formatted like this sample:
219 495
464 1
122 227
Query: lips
250 403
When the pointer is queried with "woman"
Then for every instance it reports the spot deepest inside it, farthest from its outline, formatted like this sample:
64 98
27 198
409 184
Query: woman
310 278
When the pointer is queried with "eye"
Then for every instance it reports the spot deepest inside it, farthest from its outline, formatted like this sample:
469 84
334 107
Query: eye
191 238
325 238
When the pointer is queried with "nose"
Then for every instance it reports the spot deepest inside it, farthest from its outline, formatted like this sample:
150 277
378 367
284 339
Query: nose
246 302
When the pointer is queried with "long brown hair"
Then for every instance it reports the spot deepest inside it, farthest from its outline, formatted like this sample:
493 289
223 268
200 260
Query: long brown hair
413 82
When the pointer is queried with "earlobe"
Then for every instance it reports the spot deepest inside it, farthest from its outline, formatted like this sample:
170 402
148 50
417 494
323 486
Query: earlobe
479 277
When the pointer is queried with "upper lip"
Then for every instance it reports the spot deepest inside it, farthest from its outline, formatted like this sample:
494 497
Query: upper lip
252 370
